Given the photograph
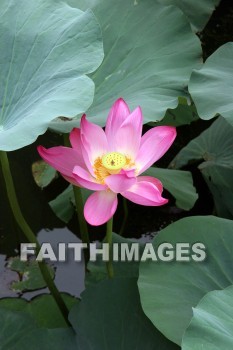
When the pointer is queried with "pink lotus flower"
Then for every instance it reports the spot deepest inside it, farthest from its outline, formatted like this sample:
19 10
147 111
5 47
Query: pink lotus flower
110 162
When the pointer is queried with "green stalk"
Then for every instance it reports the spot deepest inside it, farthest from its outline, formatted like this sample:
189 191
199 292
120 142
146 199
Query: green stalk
109 263
126 213
82 222
29 234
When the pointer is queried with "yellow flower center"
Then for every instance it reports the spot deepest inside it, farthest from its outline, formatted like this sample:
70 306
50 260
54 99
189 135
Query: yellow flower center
114 161
110 163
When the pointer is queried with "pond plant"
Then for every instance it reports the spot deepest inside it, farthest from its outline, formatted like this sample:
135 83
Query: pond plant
109 111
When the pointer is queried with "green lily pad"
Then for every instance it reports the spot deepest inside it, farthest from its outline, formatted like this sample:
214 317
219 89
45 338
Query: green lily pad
94 326
169 290
183 114
212 150
211 87
97 269
30 277
38 309
178 183
19 331
110 316
198 11
43 173
47 47
211 325
149 57
64 204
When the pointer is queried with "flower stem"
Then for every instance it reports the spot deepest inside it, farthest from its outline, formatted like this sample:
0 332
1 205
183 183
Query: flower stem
126 213
109 263
81 219
29 234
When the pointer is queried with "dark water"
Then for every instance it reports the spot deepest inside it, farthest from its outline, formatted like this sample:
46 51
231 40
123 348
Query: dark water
69 276
143 222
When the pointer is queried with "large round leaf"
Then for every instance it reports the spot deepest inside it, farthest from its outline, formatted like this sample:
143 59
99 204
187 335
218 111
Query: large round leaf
46 48
43 173
169 290
64 204
198 11
178 183
110 317
38 309
150 52
211 325
183 114
211 87
122 267
29 275
212 150
19 331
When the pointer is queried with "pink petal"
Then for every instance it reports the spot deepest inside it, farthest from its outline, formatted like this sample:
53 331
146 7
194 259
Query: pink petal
63 159
100 207
153 180
147 191
128 137
128 172
84 178
154 144
72 181
94 142
119 182
117 115
75 140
